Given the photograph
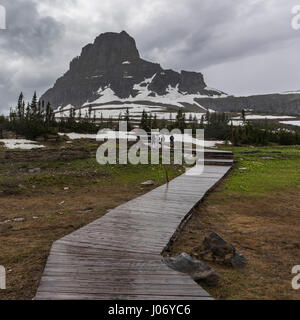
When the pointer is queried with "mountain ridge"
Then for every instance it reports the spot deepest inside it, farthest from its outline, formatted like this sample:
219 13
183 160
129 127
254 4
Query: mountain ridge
112 65
110 73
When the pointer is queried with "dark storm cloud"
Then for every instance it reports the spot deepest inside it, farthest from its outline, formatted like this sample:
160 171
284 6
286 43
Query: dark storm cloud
27 33
24 46
242 46
213 32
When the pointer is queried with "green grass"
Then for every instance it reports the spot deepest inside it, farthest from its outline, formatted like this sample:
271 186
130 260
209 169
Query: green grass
78 172
262 176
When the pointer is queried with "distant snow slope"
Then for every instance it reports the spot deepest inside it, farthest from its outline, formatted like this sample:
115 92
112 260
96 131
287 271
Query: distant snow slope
291 92
260 117
292 123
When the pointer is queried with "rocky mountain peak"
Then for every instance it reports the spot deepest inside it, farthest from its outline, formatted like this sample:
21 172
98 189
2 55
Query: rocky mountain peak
108 50
113 61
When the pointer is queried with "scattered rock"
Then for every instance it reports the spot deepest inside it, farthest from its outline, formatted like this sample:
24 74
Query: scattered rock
86 210
34 170
19 219
219 248
61 203
34 217
198 270
209 277
238 260
66 188
148 183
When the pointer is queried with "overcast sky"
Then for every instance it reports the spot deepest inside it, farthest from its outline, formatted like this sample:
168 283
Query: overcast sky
242 47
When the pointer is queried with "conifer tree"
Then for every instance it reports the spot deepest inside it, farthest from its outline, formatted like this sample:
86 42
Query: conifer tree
34 106
154 122
207 117
20 111
144 121
127 118
243 116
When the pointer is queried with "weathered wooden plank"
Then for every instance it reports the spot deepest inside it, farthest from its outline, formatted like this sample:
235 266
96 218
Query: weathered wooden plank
55 295
138 289
118 256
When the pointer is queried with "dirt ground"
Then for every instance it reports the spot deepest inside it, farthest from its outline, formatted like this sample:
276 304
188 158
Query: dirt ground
265 229
38 208
48 217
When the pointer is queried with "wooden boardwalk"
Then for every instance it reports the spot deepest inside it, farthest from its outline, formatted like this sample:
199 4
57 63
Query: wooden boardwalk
118 256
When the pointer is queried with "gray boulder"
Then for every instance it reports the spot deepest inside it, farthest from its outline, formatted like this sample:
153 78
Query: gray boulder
198 270
238 260
221 249
34 170
148 183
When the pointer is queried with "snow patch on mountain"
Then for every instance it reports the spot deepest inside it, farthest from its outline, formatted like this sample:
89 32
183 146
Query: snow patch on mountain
291 92
173 96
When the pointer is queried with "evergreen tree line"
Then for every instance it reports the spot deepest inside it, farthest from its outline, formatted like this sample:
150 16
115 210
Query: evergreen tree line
31 119
218 126
148 122
36 119
256 135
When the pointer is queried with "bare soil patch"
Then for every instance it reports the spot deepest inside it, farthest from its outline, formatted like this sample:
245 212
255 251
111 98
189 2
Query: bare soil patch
266 229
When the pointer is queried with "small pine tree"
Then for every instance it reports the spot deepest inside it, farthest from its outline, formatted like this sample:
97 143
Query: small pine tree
154 122
20 111
34 106
243 115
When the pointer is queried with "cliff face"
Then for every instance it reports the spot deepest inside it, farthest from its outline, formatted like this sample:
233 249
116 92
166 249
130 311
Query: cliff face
114 62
